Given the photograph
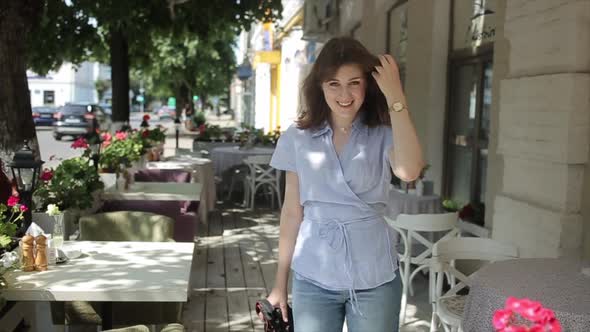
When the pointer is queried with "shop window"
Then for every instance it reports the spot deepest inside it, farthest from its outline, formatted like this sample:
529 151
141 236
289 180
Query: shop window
467 135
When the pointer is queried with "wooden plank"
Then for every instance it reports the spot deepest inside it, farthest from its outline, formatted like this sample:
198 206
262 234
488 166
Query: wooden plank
233 262
199 268
216 267
239 311
216 314
193 315
252 272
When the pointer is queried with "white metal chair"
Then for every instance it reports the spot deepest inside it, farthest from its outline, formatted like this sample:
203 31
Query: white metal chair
408 226
262 174
448 307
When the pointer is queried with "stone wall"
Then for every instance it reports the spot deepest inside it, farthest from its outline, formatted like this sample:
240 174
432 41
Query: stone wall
544 128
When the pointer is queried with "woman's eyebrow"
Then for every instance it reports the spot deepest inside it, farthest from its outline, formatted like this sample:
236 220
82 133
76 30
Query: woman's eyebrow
354 78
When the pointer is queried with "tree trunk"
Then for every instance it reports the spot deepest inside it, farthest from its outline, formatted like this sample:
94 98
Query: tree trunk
16 120
119 74
182 99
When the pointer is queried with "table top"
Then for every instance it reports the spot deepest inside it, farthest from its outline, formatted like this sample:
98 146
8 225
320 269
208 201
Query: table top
397 194
157 191
237 150
558 283
109 271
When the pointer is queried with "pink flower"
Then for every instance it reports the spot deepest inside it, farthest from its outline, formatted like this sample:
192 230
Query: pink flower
502 318
121 135
23 208
543 319
202 129
544 316
106 137
80 143
46 175
13 200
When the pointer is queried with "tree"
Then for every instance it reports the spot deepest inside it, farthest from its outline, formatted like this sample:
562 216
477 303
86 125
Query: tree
101 87
185 65
42 34
66 37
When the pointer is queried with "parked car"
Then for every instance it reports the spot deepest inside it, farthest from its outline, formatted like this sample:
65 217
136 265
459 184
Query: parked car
80 119
43 115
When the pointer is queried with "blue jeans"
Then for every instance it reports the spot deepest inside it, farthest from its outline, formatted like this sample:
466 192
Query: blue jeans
316 309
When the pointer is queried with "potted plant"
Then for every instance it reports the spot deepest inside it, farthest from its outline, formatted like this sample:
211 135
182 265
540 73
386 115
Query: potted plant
122 151
73 186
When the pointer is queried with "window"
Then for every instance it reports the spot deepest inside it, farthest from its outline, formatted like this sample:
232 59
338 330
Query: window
467 134
48 97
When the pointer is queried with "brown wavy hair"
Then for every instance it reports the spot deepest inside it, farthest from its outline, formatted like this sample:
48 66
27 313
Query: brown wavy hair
336 53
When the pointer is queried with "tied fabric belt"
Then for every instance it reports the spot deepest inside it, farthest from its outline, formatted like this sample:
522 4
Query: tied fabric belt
336 233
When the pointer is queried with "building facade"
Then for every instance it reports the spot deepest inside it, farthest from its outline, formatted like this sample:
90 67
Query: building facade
498 91
69 84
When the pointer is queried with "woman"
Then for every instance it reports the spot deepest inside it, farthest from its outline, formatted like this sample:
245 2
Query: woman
338 157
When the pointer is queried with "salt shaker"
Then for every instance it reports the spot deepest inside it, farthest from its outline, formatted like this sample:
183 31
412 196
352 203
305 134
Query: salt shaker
28 257
41 253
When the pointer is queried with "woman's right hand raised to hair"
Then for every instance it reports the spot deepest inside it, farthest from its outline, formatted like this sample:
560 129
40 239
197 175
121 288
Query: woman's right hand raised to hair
278 298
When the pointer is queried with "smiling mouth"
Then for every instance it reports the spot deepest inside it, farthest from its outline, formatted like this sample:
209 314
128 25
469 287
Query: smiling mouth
344 104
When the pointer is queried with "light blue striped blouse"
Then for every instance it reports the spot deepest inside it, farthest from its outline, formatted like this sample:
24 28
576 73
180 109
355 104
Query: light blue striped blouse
343 242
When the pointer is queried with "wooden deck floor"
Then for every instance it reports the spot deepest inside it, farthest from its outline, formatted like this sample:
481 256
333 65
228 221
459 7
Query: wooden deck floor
234 265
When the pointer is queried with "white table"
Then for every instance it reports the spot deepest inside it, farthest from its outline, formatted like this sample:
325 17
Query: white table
559 284
157 191
201 172
109 272
226 157
400 202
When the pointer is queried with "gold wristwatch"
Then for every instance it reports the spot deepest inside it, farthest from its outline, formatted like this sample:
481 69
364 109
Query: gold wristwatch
398 106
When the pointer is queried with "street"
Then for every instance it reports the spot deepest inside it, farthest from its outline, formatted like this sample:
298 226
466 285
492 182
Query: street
62 149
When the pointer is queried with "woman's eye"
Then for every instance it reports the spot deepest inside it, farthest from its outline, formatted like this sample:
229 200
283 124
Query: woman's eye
355 83
333 84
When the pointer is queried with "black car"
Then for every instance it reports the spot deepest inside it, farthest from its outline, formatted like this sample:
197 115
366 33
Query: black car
80 119
43 115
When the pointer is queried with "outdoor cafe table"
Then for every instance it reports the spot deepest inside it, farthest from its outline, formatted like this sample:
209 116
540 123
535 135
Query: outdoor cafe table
157 191
559 284
226 157
109 272
201 170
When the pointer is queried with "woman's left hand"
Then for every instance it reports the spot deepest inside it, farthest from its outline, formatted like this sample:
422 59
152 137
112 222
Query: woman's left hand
387 78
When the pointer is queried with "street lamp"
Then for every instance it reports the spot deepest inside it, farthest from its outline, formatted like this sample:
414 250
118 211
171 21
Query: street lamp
95 144
177 129
25 171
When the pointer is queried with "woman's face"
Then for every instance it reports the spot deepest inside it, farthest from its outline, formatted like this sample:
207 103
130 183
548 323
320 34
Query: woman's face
345 92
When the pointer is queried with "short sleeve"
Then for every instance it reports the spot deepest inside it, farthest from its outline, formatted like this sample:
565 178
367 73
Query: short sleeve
284 156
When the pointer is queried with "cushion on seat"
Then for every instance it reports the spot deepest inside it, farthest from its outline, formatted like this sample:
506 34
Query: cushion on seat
126 226
452 307
162 175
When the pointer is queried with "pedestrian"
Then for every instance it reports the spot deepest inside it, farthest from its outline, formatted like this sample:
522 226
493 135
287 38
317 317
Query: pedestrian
338 156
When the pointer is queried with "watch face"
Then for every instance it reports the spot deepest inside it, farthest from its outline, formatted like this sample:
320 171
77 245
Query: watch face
398 107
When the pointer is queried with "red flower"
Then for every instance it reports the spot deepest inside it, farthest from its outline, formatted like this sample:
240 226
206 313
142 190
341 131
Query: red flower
23 208
13 200
146 117
46 175
145 133
80 143
202 129
466 212
121 135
